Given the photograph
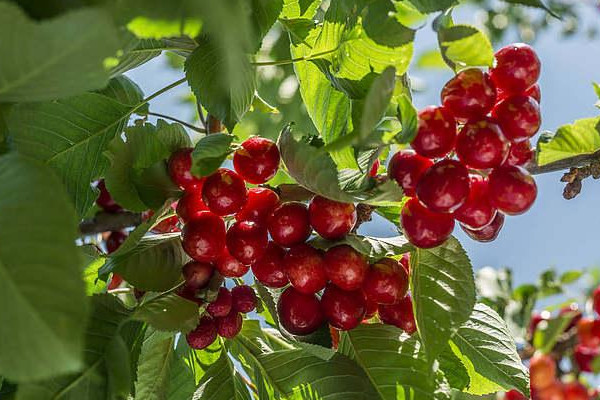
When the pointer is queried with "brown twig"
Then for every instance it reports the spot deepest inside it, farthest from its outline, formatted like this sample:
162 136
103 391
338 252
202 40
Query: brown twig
104 222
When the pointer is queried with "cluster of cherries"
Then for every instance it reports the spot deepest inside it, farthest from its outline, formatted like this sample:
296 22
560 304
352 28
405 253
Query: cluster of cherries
232 228
467 157
545 385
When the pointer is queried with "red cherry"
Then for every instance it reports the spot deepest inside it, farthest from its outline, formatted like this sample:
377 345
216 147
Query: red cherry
573 311
222 305
372 308
244 298
514 395
542 371
519 117
189 294
374 169
425 228
512 189
305 268
517 67
289 224
261 203
575 391
190 206
345 267
444 187
584 357
588 332
247 241
436 133
534 92
114 241
489 232
269 270
229 266
477 211
204 334
596 300
203 239
552 392
331 219
343 309
180 164
115 281
400 314
299 313
470 94
105 200
405 262
520 153
481 144
386 282
167 225
197 275
224 192
536 318
230 325
257 160
407 167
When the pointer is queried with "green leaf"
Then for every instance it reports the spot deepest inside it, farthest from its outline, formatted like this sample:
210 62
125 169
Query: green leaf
42 331
535 3
548 332
431 59
407 114
155 264
465 46
570 276
443 290
453 369
222 382
209 74
394 363
210 152
167 312
70 135
118 368
299 9
580 137
56 58
373 247
159 364
263 14
429 6
377 100
488 352
383 25
314 169
94 259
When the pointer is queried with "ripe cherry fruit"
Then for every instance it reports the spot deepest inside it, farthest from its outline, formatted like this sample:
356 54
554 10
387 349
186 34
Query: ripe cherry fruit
534 92
331 219
470 94
425 228
229 266
519 117
305 268
180 164
436 132
197 275
167 225
516 68
261 203
514 395
407 167
374 169
203 239
247 241
345 267
230 325
243 299
257 160
575 391
224 192
489 232
343 309
520 153
114 241
269 270
596 300
115 281
222 305
444 187
542 371
386 282
400 314
204 334
299 313
584 356
588 332
105 200
477 211
190 206
481 144
289 224
512 189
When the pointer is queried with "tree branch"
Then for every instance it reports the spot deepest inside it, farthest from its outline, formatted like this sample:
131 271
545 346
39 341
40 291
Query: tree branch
104 222
571 162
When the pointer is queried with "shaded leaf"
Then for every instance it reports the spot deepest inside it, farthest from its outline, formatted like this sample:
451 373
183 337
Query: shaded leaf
407 114
377 100
221 381
534 3
167 312
210 152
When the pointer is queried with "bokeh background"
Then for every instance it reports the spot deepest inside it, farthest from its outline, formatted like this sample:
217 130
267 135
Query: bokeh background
559 233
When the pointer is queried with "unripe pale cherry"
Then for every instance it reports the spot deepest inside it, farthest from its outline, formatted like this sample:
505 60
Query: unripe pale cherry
331 219
386 282
203 335
477 211
517 67
512 189
345 267
230 325
400 315
343 309
489 232
247 241
305 268
436 132
444 187
257 160
222 305
518 116
299 313
406 167
470 94
224 192
180 164
289 224
269 270
259 206
480 144
203 239
423 227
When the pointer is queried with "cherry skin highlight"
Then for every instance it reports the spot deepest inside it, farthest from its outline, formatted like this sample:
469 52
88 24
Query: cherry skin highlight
436 132
105 200
542 371
481 144
386 282
230 325
444 187
520 154
197 274
269 270
222 305
512 189
400 315
244 299
180 164
114 241
229 266
343 309
407 167
224 192
204 334
425 228
470 94
203 239
300 314
331 219
305 268
261 203
489 232
190 206
477 211
257 160
289 224
519 117
517 67
345 267
247 241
